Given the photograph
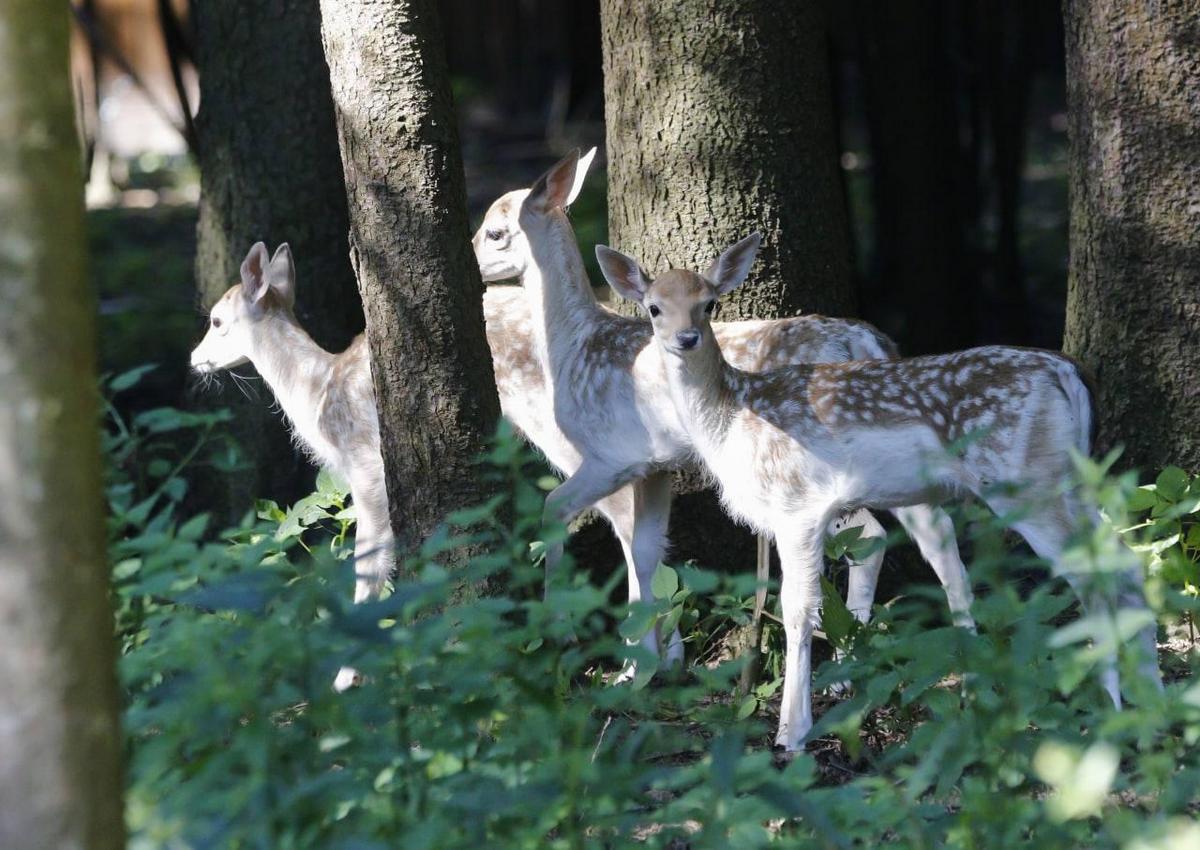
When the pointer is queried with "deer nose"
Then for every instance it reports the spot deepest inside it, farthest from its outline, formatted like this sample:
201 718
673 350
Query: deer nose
688 339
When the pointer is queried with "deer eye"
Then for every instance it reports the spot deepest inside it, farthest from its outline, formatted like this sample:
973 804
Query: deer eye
654 311
216 323
709 307
495 235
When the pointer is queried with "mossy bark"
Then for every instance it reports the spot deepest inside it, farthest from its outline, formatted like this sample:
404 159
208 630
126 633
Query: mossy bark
410 245
720 121
270 171
1133 303
60 748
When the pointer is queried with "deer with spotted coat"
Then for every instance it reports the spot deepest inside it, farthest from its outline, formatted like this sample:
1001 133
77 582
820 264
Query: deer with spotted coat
795 447
614 431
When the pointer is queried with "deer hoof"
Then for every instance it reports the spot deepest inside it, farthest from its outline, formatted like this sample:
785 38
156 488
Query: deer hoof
346 679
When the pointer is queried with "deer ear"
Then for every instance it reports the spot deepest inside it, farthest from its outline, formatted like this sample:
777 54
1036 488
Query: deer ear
622 273
733 266
254 267
552 190
281 274
581 171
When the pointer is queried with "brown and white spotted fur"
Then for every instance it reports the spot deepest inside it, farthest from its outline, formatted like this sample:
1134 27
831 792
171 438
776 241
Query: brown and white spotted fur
599 377
795 447
328 398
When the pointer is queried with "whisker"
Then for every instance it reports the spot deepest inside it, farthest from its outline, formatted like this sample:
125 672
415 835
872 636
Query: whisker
244 387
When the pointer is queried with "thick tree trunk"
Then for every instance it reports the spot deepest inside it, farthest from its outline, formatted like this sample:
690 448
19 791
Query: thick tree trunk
720 121
60 777
411 249
1133 307
270 171
921 289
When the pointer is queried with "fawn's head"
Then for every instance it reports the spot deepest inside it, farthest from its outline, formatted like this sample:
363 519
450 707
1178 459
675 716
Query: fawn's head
501 244
268 283
679 303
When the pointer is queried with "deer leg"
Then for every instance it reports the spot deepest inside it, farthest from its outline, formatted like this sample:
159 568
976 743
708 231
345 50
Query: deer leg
801 556
651 518
1047 530
933 531
639 514
374 553
619 509
864 575
588 485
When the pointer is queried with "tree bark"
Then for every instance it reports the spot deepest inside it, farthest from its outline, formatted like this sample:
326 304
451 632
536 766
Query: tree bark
920 289
410 245
270 171
1133 304
720 121
60 777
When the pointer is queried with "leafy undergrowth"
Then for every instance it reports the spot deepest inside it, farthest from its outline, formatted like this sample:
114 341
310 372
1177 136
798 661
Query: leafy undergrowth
491 721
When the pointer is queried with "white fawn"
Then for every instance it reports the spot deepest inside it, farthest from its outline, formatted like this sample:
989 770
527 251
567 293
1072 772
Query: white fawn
329 399
795 447
615 429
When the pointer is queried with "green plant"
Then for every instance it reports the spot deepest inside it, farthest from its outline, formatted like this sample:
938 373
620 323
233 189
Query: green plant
488 720
1166 528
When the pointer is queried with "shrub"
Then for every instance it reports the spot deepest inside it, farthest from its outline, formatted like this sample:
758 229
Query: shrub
488 721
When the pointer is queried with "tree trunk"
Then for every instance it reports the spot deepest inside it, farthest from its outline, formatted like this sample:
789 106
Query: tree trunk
1133 305
920 289
60 777
270 171
720 122
411 249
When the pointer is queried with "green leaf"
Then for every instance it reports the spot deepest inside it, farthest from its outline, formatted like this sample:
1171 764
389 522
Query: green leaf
837 545
269 510
1143 499
748 707
698 581
766 690
836 620
329 484
639 622
126 568
670 621
1171 483
880 688
175 488
127 379
665 582
194 528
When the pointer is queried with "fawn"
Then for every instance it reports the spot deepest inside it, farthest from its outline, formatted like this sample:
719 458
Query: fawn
616 430
329 399
795 447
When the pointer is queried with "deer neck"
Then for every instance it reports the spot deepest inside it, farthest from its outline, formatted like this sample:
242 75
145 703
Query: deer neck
702 391
296 369
563 305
